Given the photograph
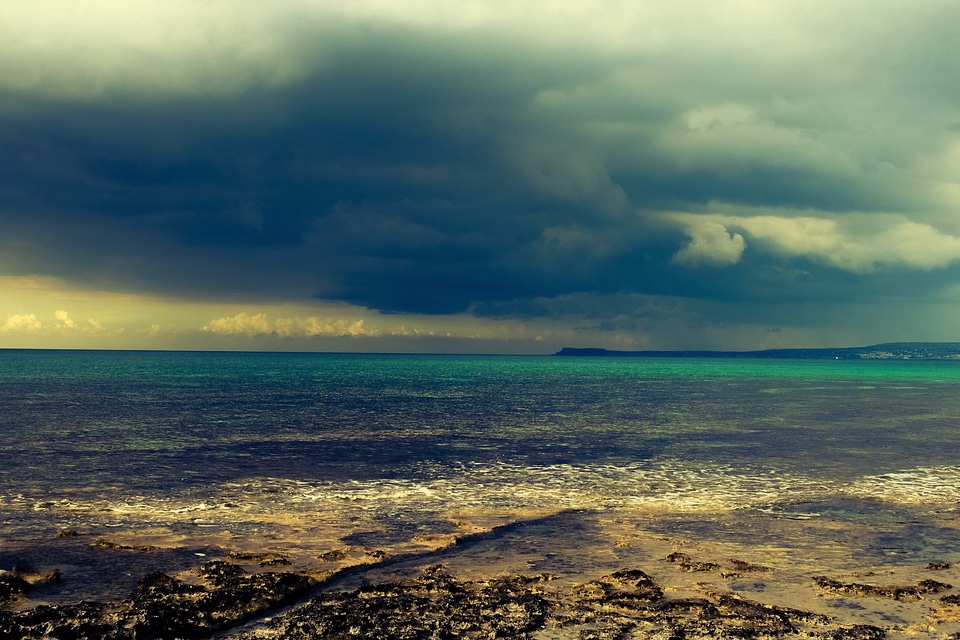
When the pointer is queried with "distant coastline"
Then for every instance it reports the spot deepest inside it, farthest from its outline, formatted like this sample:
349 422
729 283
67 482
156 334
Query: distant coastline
885 351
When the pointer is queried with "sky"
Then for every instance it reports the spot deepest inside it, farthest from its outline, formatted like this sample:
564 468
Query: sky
479 176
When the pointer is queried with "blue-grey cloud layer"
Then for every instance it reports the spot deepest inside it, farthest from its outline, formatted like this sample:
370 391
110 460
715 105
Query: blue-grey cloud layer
760 156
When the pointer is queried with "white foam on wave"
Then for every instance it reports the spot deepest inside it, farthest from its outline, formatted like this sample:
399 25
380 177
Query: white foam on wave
436 491
669 486
431 490
931 486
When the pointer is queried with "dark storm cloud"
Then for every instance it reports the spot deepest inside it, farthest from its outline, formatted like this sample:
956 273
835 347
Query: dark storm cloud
410 166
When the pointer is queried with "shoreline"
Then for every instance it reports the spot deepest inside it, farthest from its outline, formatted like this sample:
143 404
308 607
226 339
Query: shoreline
572 563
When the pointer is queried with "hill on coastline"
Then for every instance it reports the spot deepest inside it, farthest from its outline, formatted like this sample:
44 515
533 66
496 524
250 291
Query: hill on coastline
885 351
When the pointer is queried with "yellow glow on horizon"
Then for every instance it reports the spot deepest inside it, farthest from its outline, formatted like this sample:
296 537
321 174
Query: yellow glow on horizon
44 312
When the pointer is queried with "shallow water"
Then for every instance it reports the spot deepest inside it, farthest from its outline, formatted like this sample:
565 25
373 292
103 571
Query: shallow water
821 466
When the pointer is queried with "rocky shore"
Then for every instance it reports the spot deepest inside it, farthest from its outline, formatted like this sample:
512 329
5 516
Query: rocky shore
434 605
468 586
220 596
624 604
160 607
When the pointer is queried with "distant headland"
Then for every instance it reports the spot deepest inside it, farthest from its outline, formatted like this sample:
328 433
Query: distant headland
886 351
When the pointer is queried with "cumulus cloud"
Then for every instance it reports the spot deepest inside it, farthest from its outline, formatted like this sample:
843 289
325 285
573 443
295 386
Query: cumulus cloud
419 328
61 323
259 325
242 324
858 244
710 244
64 320
21 323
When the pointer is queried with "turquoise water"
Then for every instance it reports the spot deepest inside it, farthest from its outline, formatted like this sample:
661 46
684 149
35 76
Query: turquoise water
257 444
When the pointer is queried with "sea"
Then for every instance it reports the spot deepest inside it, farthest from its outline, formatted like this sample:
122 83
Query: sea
113 463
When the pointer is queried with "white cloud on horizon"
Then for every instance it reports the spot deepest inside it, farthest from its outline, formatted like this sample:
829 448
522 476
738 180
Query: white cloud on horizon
62 323
64 319
22 323
393 330
248 325
141 321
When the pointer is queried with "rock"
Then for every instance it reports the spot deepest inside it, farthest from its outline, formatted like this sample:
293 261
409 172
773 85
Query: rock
897 592
624 604
83 621
858 632
264 559
164 607
737 567
158 586
219 572
103 543
12 587
622 588
434 605
746 567
33 576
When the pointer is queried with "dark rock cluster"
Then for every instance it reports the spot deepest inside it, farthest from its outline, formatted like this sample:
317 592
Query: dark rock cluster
264 559
625 604
18 582
434 605
163 607
897 592
733 569
12 587
219 597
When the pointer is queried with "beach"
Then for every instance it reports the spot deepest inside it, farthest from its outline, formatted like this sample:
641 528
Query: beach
574 574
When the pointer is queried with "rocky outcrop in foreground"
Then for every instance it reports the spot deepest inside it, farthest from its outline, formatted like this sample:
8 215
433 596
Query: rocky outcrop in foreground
625 604
221 596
